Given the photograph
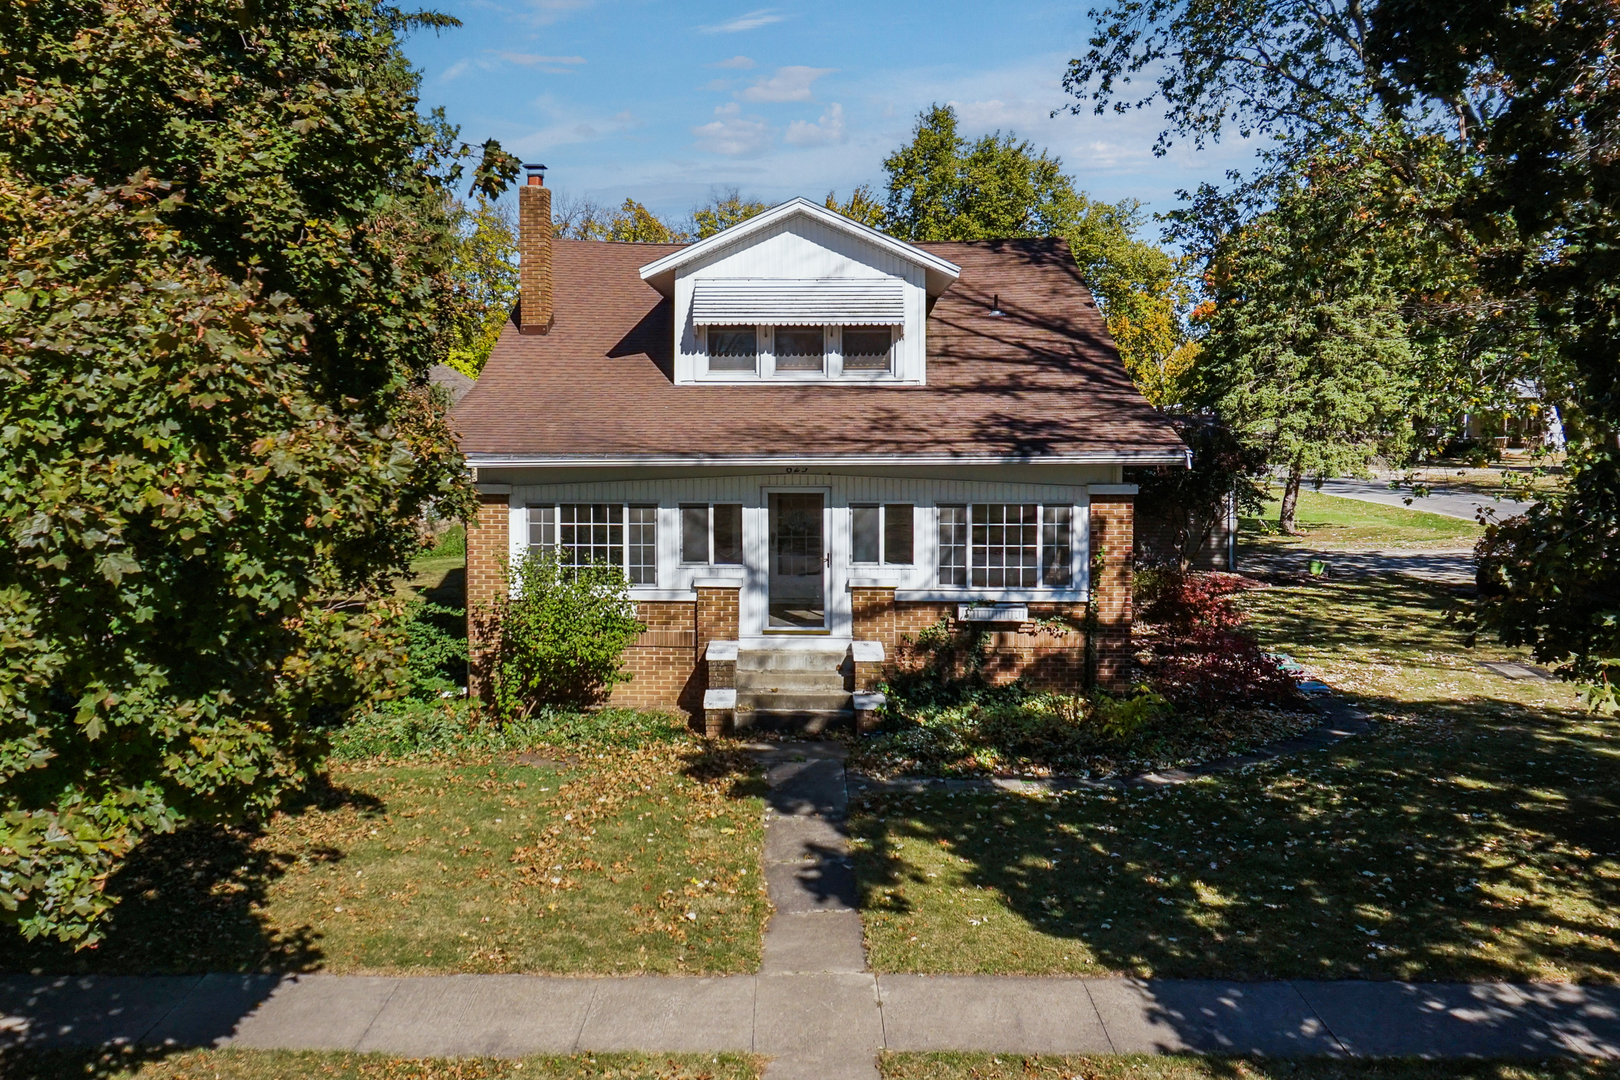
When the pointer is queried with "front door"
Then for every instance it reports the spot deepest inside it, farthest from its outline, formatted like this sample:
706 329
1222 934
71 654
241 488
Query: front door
798 555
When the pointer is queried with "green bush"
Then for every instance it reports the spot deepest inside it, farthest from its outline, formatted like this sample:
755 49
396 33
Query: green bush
436 651
558 635
453 541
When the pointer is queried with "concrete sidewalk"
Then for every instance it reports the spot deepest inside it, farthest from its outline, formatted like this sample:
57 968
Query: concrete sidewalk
799 1016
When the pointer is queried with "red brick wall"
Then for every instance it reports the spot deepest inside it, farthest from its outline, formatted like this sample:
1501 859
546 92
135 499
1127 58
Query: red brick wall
488 537
1112 528
661 659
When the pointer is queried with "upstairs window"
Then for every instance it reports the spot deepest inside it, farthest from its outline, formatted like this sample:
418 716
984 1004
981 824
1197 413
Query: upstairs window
599 534
881 534
800 349
1006 546
866 348
733 348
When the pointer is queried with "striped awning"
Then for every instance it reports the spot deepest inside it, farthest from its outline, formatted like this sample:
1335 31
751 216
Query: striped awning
798 302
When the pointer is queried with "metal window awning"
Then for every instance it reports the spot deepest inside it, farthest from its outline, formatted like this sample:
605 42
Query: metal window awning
799 302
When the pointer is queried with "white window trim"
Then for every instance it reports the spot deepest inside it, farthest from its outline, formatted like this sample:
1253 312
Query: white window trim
680 538
624 523
1079 577
883 536
832 365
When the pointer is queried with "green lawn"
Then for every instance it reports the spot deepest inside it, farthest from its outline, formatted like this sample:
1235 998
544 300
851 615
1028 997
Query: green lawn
614 861
1331 522
1177 1067
1474 836
287 1065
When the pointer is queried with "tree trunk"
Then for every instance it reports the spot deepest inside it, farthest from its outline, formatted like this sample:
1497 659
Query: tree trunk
1286 523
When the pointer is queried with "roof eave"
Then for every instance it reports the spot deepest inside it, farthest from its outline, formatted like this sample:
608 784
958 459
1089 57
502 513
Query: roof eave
1156 456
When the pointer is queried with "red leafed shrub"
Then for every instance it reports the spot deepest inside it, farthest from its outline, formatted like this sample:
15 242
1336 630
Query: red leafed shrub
1182 604
1202 657
1222 667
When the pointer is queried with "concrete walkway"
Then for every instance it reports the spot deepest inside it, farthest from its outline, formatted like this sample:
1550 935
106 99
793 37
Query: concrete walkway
1442 500
813 1008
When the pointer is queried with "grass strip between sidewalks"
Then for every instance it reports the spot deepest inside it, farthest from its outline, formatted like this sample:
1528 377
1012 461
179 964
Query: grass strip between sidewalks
1187 1067
140 1064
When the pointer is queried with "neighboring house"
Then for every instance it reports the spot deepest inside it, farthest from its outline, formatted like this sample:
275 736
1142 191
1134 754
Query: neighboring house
452 381
805 441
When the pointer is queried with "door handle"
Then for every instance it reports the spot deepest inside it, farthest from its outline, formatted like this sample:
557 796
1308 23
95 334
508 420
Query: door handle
827 559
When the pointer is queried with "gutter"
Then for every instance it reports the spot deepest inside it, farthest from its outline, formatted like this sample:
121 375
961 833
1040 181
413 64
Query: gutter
521 461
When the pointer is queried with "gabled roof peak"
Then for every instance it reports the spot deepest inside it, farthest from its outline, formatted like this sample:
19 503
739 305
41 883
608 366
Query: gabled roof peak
660 274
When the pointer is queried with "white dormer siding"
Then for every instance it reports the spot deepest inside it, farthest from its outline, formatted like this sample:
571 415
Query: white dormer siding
802 268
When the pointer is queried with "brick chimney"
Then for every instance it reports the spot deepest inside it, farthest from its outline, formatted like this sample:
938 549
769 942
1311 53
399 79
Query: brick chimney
534 253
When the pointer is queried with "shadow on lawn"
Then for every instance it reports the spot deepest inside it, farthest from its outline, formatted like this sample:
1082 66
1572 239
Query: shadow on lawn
191 902
1465 839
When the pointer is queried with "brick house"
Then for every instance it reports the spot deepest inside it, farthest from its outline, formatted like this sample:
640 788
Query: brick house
804 441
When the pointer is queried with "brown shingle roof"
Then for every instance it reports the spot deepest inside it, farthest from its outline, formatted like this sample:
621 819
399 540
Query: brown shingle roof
1042 380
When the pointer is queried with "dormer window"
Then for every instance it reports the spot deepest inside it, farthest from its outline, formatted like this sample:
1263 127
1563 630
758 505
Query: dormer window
734 349
800 349
866 348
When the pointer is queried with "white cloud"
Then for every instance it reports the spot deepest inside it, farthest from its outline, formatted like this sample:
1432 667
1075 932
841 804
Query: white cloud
788 84
530 59
549 11
567 125
455 70
733 134
751 21
829 129
741 62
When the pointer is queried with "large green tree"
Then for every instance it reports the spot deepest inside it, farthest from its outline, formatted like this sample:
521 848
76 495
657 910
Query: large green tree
1534 91
228 265
1306 355
485 273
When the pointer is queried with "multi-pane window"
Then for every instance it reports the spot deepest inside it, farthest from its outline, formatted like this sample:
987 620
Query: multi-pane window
800 348
866 348
733 348
1056 562
881 530
712 533
953 545
599 534
1006 545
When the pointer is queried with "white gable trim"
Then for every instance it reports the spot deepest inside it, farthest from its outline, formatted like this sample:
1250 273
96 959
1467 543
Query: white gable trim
661 273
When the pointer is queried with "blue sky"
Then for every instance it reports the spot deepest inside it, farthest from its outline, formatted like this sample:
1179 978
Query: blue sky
666 102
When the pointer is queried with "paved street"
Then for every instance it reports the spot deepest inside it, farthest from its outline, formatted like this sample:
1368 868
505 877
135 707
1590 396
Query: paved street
1448 502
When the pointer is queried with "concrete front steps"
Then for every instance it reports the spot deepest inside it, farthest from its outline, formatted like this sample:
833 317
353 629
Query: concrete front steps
800 689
